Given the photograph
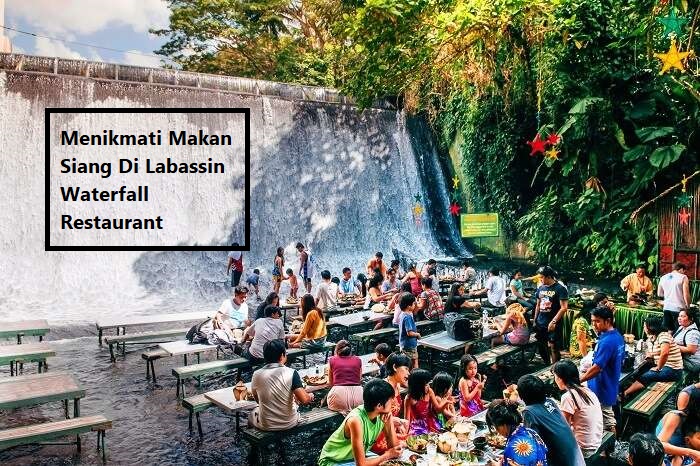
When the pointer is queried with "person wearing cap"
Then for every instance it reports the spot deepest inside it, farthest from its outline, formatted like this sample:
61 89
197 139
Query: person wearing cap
603 376
552 303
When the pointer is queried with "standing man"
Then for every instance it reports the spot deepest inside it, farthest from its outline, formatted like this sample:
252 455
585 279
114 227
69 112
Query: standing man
552 304
376 262
305 270
675 289
604 375
637 283
235 265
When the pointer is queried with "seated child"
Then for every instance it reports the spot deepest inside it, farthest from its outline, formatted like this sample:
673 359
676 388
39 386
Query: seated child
293 284
351 441
381 352
471 385
421 406
442 386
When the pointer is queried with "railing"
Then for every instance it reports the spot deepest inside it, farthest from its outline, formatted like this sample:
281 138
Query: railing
170 77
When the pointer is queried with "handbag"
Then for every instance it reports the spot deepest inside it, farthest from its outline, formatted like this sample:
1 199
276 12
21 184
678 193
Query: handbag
458 327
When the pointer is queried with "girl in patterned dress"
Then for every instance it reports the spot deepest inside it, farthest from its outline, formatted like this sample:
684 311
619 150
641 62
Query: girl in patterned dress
421 406
470 386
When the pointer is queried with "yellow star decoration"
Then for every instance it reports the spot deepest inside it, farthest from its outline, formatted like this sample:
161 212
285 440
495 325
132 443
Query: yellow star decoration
418 210
672 59
455 182
552 154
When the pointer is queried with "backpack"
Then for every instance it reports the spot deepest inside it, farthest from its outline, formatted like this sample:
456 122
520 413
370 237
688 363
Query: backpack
458 327
195 335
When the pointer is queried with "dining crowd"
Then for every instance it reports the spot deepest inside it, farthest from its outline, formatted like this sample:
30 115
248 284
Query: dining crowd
407 400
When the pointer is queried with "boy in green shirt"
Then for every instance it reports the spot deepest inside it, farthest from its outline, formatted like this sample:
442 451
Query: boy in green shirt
360 429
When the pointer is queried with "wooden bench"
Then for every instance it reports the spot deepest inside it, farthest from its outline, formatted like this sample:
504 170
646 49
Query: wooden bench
195 405
364 339
647 404
40 433
259 439
122 323
142 338
607 445
494 355
182 374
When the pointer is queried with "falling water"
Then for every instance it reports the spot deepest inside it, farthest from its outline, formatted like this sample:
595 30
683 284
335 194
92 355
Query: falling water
340 181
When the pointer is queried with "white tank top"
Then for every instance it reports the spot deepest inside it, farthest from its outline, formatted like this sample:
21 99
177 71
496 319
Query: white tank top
672 284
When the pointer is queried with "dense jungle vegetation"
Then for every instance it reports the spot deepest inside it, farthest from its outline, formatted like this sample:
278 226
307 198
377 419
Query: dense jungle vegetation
490 75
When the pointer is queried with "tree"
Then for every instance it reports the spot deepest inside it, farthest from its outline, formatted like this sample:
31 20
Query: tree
267 39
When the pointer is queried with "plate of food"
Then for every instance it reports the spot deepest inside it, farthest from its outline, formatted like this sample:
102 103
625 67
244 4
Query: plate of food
496 440
463 430
316 380
291 300
417 443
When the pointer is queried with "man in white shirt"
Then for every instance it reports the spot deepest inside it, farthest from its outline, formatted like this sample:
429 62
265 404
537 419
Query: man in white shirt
327 293
494 289
233 312
675 289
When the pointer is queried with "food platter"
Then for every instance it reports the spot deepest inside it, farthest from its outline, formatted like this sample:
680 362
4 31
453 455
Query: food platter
417 443
496 440
316 380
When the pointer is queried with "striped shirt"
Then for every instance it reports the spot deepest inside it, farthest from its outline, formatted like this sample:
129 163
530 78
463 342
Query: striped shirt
675 359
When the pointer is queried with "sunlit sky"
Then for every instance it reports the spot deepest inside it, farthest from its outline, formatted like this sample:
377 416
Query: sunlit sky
117 24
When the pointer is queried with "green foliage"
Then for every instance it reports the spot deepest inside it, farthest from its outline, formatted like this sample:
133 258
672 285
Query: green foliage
494 73
266 39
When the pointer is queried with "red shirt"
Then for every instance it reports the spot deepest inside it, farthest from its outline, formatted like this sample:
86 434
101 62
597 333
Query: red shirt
346 370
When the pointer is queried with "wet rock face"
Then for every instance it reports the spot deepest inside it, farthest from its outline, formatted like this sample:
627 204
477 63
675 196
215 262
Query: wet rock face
340 181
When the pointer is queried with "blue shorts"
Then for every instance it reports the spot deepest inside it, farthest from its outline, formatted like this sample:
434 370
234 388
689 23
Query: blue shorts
666 374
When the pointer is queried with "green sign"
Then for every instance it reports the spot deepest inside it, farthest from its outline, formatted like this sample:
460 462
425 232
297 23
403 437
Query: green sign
479 225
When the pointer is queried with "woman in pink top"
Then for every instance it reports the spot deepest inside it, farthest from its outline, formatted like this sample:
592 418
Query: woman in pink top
413 277
345 379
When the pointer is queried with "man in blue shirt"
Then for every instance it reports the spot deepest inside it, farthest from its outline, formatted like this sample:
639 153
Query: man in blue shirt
604 375
408 332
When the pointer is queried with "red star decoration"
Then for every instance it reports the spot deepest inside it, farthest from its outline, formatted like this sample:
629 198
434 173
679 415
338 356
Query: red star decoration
537 145
553 139
684 217
454 208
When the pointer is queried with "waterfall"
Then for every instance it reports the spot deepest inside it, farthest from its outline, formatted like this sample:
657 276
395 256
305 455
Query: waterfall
340 181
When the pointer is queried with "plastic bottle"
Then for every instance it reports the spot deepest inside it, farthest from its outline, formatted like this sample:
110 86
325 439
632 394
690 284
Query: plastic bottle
484 320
